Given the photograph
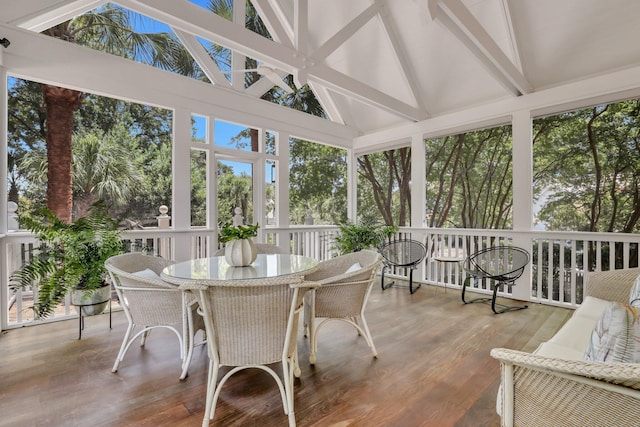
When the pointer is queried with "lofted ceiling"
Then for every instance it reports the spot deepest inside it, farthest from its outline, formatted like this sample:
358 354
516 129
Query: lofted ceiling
376 64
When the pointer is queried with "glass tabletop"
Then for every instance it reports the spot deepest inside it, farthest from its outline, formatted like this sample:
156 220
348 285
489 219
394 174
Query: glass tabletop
217 269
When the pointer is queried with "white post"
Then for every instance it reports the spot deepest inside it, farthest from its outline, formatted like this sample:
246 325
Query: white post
522 135
308 220
164 220
181 203
237 219
12 217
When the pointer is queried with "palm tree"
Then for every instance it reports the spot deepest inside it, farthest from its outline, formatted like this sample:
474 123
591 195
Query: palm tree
102 170
109 29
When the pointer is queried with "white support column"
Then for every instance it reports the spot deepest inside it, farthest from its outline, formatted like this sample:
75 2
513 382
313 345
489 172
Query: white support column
181 166
522 135
352 185
418 181
212 181
259 187
282 180
4 276
3 146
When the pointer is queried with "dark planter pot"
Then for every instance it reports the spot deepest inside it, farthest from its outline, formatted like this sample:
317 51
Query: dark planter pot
91 303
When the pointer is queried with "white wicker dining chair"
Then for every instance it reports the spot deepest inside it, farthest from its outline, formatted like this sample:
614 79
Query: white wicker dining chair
345 285
251 324
149 302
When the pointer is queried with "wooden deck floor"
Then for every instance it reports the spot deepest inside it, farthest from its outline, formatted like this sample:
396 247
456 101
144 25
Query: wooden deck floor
433 369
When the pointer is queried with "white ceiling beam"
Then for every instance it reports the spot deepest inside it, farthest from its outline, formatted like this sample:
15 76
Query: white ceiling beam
238 59
327 102
48 60
460 21
321 53
273 20
41 19
202 57
263 85
348 86
190 18
301 38
403 59
513 40
301 26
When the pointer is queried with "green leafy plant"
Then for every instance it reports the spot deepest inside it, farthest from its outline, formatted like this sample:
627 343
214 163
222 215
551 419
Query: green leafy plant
230 232
69 256
355 237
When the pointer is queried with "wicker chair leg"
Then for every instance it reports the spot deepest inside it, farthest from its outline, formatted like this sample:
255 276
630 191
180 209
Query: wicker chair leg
123 348
210 408
367 335
144 337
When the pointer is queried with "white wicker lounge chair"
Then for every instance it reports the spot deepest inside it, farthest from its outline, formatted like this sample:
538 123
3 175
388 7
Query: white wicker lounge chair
251 324
539 391
342 295
150 302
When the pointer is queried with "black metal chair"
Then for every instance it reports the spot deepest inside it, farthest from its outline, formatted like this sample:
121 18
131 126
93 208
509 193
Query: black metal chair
402 253
502 264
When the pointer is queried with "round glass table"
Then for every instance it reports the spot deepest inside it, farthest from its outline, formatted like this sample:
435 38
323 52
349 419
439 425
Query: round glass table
216 269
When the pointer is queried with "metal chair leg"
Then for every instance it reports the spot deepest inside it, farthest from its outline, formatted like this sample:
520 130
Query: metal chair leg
390 284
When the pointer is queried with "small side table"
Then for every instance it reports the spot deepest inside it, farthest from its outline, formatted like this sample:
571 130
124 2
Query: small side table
443 260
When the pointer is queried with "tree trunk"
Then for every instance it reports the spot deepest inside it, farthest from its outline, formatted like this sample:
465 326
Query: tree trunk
60 104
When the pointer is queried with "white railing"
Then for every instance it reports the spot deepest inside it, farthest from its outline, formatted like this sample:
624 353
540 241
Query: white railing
554 276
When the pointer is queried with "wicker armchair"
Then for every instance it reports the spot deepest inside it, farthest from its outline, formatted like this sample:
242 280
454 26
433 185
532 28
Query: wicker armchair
342 295
251 324
150 302
545 391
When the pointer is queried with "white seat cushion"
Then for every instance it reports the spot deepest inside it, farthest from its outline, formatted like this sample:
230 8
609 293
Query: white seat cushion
354 267
147 273
592 308
574 336
559 351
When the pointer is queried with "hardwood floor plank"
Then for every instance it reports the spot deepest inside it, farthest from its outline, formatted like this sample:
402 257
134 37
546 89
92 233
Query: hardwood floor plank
433 369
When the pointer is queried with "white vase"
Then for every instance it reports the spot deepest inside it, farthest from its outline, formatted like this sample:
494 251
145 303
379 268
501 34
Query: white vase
240 252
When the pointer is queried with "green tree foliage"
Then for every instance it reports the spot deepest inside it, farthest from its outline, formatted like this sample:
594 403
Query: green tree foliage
469 179
103 169
384 186
234 191
317 181
587 168
137 179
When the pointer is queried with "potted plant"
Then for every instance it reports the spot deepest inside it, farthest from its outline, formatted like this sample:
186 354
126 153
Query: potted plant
238 239
70 258
366 235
